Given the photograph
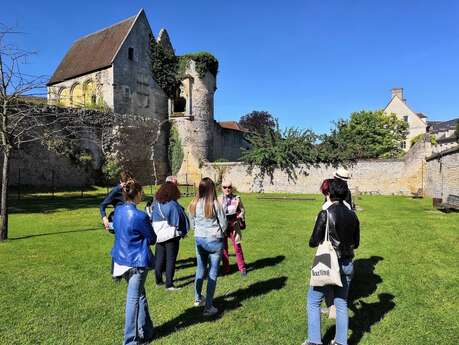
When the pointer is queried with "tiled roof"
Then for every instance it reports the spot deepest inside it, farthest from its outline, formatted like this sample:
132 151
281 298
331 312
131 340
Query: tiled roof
233 125
93 52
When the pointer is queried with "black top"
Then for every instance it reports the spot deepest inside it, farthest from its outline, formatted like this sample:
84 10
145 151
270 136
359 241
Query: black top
344 230
113 198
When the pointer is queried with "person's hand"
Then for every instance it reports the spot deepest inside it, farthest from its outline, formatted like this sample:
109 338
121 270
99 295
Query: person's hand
106 223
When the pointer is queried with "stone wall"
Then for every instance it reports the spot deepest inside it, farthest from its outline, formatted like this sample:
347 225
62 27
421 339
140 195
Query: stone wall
103 82
443 174
227 144
136 91
403 176
38 167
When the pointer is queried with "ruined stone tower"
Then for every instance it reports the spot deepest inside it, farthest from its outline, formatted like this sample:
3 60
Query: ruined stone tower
193 116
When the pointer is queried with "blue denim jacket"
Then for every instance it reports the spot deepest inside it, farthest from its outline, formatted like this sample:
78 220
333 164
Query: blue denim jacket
133 237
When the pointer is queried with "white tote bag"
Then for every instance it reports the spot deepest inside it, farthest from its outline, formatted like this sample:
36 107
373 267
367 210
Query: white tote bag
325 269
162 228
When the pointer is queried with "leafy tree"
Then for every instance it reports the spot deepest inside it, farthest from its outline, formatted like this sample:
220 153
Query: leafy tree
258 121
286 150
367 134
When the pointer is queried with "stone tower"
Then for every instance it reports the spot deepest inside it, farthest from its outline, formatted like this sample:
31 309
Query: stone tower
193 116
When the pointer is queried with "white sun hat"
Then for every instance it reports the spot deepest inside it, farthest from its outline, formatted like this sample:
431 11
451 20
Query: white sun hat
342 174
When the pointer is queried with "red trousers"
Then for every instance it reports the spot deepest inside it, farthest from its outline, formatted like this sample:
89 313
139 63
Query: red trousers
237 249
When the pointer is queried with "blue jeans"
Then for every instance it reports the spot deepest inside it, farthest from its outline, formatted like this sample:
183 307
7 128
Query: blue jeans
315 297
138 325
208 251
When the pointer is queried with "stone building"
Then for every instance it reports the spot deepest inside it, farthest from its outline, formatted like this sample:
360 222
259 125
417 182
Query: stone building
417 122
112 68
444 133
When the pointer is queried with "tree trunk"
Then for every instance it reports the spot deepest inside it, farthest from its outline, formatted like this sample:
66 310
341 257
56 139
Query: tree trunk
4 198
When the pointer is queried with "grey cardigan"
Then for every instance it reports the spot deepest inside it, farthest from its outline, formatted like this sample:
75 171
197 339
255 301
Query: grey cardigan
208 227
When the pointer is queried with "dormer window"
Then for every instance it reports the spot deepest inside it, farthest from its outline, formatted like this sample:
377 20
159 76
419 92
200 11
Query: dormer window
131 54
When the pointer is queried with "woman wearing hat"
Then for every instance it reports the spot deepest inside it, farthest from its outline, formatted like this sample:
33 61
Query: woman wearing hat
344 175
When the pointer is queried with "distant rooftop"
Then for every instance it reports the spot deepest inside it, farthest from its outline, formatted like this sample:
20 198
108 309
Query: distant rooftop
442 126
233 125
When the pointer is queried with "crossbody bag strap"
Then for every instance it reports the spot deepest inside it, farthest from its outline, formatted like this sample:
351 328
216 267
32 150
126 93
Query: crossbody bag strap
327 229
160 212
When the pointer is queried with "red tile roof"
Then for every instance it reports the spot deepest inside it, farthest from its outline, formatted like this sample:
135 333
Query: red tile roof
93 52
233 125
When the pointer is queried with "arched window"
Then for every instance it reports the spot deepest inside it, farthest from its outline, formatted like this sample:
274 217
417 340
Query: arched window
90 98
64 97
77 95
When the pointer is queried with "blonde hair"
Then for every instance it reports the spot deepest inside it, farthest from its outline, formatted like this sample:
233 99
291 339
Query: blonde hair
206 191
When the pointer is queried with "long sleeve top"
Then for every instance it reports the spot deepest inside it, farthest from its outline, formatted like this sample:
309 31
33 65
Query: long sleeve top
208 227
113 198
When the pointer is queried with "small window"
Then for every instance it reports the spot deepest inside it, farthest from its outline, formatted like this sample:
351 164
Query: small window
131 54
179 105
405 118
403 144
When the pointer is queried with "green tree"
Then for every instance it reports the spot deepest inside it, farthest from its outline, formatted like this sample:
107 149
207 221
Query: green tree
366 134
287 150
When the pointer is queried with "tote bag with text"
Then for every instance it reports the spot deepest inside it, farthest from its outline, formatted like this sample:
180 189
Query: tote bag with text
325 269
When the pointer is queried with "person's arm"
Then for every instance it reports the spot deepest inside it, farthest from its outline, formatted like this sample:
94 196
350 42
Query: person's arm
103 205
318 234
221 216
241 209
146 229
357 233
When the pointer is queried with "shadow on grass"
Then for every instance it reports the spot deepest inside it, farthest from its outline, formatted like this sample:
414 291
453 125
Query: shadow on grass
259 264
48 204
364 284
252 266
53 233
225 303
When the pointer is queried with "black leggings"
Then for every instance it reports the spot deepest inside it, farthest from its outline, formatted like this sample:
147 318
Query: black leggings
166 255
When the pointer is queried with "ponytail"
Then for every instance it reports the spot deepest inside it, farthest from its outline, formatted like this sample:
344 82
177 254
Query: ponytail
131 189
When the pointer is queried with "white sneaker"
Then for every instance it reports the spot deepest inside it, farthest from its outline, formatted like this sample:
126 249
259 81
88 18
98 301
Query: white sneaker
200 303
172 288
209 311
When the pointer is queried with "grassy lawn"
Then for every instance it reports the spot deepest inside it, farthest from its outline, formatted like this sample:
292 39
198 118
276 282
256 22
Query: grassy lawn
56 286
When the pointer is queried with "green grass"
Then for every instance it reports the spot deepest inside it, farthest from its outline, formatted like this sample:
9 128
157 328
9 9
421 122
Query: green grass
56 286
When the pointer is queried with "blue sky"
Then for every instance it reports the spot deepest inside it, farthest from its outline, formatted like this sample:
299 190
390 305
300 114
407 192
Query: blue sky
307 62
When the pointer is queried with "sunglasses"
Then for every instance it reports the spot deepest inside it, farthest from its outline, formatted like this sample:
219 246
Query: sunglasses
227 187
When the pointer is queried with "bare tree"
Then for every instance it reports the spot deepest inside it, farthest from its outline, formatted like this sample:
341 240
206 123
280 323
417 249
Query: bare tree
25 120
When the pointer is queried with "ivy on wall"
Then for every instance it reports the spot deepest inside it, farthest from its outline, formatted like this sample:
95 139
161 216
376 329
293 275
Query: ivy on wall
175 152
169 70
204 62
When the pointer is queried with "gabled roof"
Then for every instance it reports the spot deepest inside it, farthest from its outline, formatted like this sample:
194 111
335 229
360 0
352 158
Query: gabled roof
93 52
233 125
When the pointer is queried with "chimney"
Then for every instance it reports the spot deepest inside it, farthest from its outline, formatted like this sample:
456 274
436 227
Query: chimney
398 91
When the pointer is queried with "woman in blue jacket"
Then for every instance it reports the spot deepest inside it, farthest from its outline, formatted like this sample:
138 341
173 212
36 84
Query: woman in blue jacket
170 224
132 258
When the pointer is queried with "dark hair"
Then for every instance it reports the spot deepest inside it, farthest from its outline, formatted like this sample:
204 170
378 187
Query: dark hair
325 186
338 189
207 192
125 176
168 191
131 189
